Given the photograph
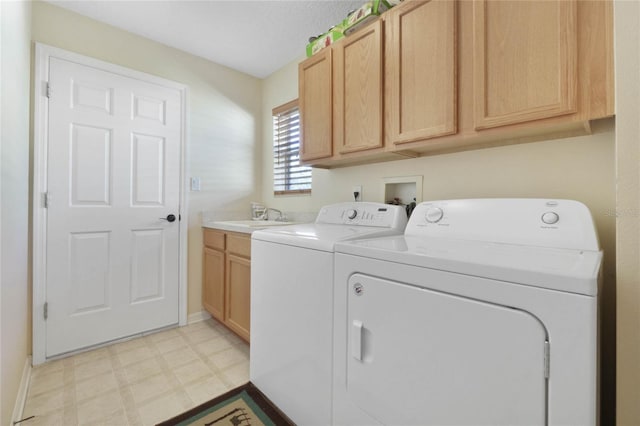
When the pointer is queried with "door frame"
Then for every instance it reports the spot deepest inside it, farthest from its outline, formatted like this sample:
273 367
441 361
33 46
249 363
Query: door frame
43 53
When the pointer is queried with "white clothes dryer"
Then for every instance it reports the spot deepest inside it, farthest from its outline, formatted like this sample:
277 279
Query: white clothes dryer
485 312
292 271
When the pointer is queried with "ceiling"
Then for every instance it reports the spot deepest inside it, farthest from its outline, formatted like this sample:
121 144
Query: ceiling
256 37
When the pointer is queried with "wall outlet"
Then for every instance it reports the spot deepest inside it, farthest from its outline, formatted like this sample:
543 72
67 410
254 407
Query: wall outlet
195 184
357 192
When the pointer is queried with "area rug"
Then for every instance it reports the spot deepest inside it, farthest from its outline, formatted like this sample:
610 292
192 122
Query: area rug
242 406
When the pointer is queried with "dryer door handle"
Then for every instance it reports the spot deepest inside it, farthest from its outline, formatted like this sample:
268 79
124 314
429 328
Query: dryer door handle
357 328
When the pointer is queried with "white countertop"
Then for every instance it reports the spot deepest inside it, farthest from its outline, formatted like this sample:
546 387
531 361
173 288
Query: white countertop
244 226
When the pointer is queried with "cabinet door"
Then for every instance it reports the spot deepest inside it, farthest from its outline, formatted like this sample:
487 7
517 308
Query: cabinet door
213 283
357 90
315 97
421 70
238 295
524 60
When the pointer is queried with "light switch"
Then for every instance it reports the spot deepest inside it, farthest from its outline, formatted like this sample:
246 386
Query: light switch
195 184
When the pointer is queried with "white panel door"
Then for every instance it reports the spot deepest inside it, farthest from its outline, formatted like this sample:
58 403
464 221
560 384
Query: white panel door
113 179
417 356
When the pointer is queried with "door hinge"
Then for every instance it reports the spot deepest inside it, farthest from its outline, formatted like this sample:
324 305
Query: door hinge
547 359
48 91
45 200
46 310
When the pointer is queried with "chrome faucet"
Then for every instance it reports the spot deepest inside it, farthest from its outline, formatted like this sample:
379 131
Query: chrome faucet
281 217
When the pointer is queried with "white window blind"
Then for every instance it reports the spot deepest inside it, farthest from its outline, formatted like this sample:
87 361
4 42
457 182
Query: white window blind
289 176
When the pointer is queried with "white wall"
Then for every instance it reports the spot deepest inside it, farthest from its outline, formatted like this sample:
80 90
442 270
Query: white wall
580 168
14 197
224 115
627 43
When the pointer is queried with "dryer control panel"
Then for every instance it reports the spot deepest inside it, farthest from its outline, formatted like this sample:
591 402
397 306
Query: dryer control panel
364 214
525 221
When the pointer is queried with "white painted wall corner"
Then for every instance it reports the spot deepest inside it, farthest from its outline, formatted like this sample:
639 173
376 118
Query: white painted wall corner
198 316
21 398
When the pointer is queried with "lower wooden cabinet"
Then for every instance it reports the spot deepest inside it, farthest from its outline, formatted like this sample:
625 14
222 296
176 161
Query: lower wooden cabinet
213 283
226 280
238 295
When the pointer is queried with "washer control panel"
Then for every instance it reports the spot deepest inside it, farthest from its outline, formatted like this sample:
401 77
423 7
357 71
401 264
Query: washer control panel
352 214
364 214
433 214
550 218
545 223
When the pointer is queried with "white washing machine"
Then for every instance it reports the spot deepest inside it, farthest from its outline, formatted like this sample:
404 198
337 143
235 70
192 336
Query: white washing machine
484 312
292 304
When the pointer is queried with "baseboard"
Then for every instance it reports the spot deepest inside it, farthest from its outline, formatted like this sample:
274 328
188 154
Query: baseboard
198 316
21 398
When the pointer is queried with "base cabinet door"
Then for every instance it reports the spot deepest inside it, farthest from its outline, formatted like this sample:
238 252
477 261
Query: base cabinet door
213 285
238 288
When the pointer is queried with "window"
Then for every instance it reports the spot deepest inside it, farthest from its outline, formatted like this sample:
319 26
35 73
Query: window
289 177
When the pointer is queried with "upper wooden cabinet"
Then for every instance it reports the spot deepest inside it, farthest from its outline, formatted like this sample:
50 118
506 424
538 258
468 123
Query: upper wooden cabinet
315 86
421 71
345 81
524 60
357 91
459 75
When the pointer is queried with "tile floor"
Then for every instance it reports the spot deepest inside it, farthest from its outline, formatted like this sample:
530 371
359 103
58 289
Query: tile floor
141 381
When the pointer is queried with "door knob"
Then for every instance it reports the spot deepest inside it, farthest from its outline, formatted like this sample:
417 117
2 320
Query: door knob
169 218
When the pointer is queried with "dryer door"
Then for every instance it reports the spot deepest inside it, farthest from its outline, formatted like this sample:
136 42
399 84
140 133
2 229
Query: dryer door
417 356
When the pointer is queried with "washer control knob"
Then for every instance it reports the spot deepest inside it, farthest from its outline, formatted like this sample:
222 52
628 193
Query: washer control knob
434 214
352 213
550 218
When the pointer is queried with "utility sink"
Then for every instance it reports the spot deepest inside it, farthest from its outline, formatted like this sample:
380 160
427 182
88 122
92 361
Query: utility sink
244 226
254 223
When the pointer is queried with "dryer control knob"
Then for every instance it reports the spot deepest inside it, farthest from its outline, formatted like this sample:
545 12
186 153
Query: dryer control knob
550 218
352 213
434 214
